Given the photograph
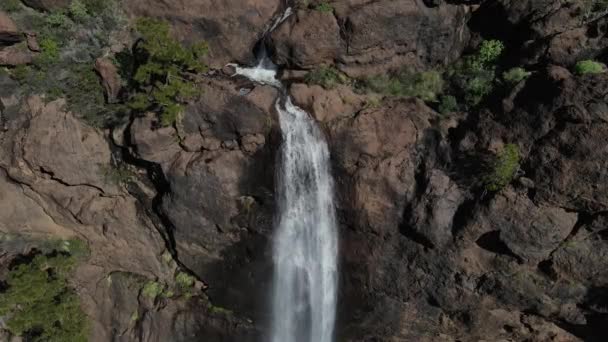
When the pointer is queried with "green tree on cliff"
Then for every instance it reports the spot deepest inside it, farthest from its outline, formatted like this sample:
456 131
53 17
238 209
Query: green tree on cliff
163 80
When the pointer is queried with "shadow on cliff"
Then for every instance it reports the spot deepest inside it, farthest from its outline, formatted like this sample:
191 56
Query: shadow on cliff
241 280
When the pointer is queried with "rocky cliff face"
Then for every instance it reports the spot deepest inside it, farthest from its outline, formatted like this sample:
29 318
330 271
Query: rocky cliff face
427 252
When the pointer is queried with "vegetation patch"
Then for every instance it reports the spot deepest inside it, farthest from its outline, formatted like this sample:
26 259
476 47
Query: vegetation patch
326 76
503 168
184 281
70 40
448 104
473 77
324 7
119 174
424 85
589 67
38 303
163 80
515 75
152 289
10 5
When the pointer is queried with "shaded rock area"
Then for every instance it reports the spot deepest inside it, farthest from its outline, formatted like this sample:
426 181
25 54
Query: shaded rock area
427 251
372 38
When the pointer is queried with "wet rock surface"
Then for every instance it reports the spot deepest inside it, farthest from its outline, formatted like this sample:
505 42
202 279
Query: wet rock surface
426 253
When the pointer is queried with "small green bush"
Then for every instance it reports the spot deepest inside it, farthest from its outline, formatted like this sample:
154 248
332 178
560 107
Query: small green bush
163 81
503 168
117 175
20 73
516 75
58 20
589 67
152 289
426 85
96 7
327 77
49 53
184 280
489 51
39 305
78 11
477 86
474 76
10 5
448 104
324 7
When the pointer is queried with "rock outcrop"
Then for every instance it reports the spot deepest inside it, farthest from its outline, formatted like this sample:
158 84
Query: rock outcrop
231 28
372 38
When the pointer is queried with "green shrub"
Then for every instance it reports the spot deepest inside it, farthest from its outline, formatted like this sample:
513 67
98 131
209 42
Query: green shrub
477 86
448 104
503 168
39 305
516 75
327 77
163 81
58 20
78 11
117 175
324 7
184 280
152 289
589 67
10 5
96 7
424 85
474 76
489 51
49 54
85 98
20 73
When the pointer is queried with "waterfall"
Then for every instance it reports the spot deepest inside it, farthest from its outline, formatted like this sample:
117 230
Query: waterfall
305 243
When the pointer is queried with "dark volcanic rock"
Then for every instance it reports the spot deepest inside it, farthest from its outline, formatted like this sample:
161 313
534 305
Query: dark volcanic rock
47 5
231 28
374 37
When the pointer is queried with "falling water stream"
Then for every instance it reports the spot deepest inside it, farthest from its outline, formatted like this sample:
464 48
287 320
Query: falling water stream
305 242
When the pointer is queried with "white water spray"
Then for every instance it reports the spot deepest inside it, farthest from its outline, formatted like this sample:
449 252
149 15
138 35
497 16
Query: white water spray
305 242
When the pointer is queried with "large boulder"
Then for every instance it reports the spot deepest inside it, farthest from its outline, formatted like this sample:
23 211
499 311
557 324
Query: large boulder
15 55
47 5
231 28
9 34
374 37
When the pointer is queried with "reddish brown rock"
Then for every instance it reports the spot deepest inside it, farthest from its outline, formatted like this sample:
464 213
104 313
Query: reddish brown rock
231 28
110 79
308 38
327 105
366 38
9 34
32 42
15 55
